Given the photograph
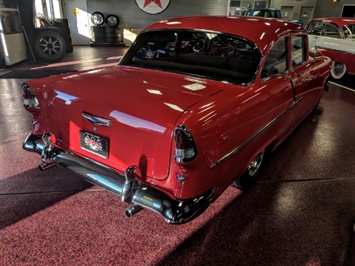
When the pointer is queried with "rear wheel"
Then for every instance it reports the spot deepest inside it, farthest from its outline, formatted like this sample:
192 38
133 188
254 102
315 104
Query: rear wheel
338 70
251 175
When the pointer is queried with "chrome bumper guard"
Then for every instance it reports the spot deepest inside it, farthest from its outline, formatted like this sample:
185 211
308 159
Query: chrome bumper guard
128 186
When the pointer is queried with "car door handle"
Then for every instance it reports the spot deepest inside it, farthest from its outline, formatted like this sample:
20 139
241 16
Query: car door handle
299 75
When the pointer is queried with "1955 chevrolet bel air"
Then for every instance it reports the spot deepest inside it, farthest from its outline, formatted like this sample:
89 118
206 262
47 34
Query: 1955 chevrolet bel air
335 38
195 105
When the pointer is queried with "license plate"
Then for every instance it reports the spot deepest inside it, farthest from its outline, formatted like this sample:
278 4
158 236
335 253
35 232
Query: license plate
94 144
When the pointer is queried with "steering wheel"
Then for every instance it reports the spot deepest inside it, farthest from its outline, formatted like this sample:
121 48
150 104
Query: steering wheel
225 50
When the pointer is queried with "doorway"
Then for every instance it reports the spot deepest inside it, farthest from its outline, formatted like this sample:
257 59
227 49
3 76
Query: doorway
78 18
306 14
348 11
236 7
287 12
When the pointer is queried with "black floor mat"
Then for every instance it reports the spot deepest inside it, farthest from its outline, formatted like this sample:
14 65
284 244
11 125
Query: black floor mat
33 74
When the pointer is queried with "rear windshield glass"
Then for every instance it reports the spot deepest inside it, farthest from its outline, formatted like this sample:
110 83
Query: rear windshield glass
207 54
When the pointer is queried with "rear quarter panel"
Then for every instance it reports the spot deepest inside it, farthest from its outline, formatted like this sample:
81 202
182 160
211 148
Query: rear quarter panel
345 57
224 122
231 118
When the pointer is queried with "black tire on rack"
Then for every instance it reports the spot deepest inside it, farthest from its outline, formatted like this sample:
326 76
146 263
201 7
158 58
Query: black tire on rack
97 29
112 35
112 20
97 18
98 39
60 21
70 48
112 40
49 46
64 31
67 39
98 34
110 30
62 25
68 42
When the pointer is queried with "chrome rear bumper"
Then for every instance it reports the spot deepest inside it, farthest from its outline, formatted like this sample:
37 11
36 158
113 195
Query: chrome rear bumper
128 186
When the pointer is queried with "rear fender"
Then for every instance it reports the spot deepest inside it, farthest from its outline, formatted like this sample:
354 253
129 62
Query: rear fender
268 146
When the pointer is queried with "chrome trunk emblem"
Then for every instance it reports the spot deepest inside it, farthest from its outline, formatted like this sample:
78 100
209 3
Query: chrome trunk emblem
96 120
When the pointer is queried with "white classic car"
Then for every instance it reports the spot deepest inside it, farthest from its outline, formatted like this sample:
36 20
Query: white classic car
335 38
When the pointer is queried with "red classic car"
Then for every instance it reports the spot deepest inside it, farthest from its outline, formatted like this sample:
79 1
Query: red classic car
194 106
334 37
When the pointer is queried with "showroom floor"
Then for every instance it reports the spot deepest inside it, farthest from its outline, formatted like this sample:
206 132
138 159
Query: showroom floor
301 212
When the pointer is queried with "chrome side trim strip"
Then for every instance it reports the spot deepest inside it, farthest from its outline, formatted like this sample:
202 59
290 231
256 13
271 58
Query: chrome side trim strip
335 50
230 154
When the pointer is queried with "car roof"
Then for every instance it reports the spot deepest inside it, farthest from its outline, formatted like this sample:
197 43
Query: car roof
341 22
261 31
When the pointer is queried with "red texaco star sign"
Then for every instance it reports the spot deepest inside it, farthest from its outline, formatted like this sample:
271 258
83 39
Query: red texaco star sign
153 6
157 2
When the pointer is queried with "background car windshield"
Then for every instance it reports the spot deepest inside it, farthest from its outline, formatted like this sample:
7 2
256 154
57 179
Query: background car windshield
207 54
266 14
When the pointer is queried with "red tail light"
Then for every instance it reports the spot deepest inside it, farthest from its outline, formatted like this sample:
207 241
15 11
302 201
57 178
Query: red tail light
185 148
29 98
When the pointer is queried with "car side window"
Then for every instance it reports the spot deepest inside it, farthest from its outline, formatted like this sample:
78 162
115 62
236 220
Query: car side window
331 30
276 61
298 55
314 28
349 31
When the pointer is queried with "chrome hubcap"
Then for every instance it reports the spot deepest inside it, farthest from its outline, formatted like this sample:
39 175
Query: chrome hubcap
256 163
338 69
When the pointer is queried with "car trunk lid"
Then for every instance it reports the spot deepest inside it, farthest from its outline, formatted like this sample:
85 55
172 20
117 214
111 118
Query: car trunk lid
133 111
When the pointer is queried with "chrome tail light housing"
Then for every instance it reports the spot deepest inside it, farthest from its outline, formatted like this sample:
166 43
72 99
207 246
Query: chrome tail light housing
29 98
185 147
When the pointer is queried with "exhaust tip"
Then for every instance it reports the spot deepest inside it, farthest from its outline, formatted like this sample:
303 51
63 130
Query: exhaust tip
133 210
44 166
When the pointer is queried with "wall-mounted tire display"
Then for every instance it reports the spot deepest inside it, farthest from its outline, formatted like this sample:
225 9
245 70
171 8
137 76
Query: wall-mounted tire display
49 45
105 33
112 20
112 35
98 34
97 18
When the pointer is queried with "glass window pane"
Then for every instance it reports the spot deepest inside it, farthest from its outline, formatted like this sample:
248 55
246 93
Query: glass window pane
331 30
276 61
211 55
298 51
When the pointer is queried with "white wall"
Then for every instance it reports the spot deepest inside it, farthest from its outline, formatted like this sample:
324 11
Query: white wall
297 4
332 9
132 17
